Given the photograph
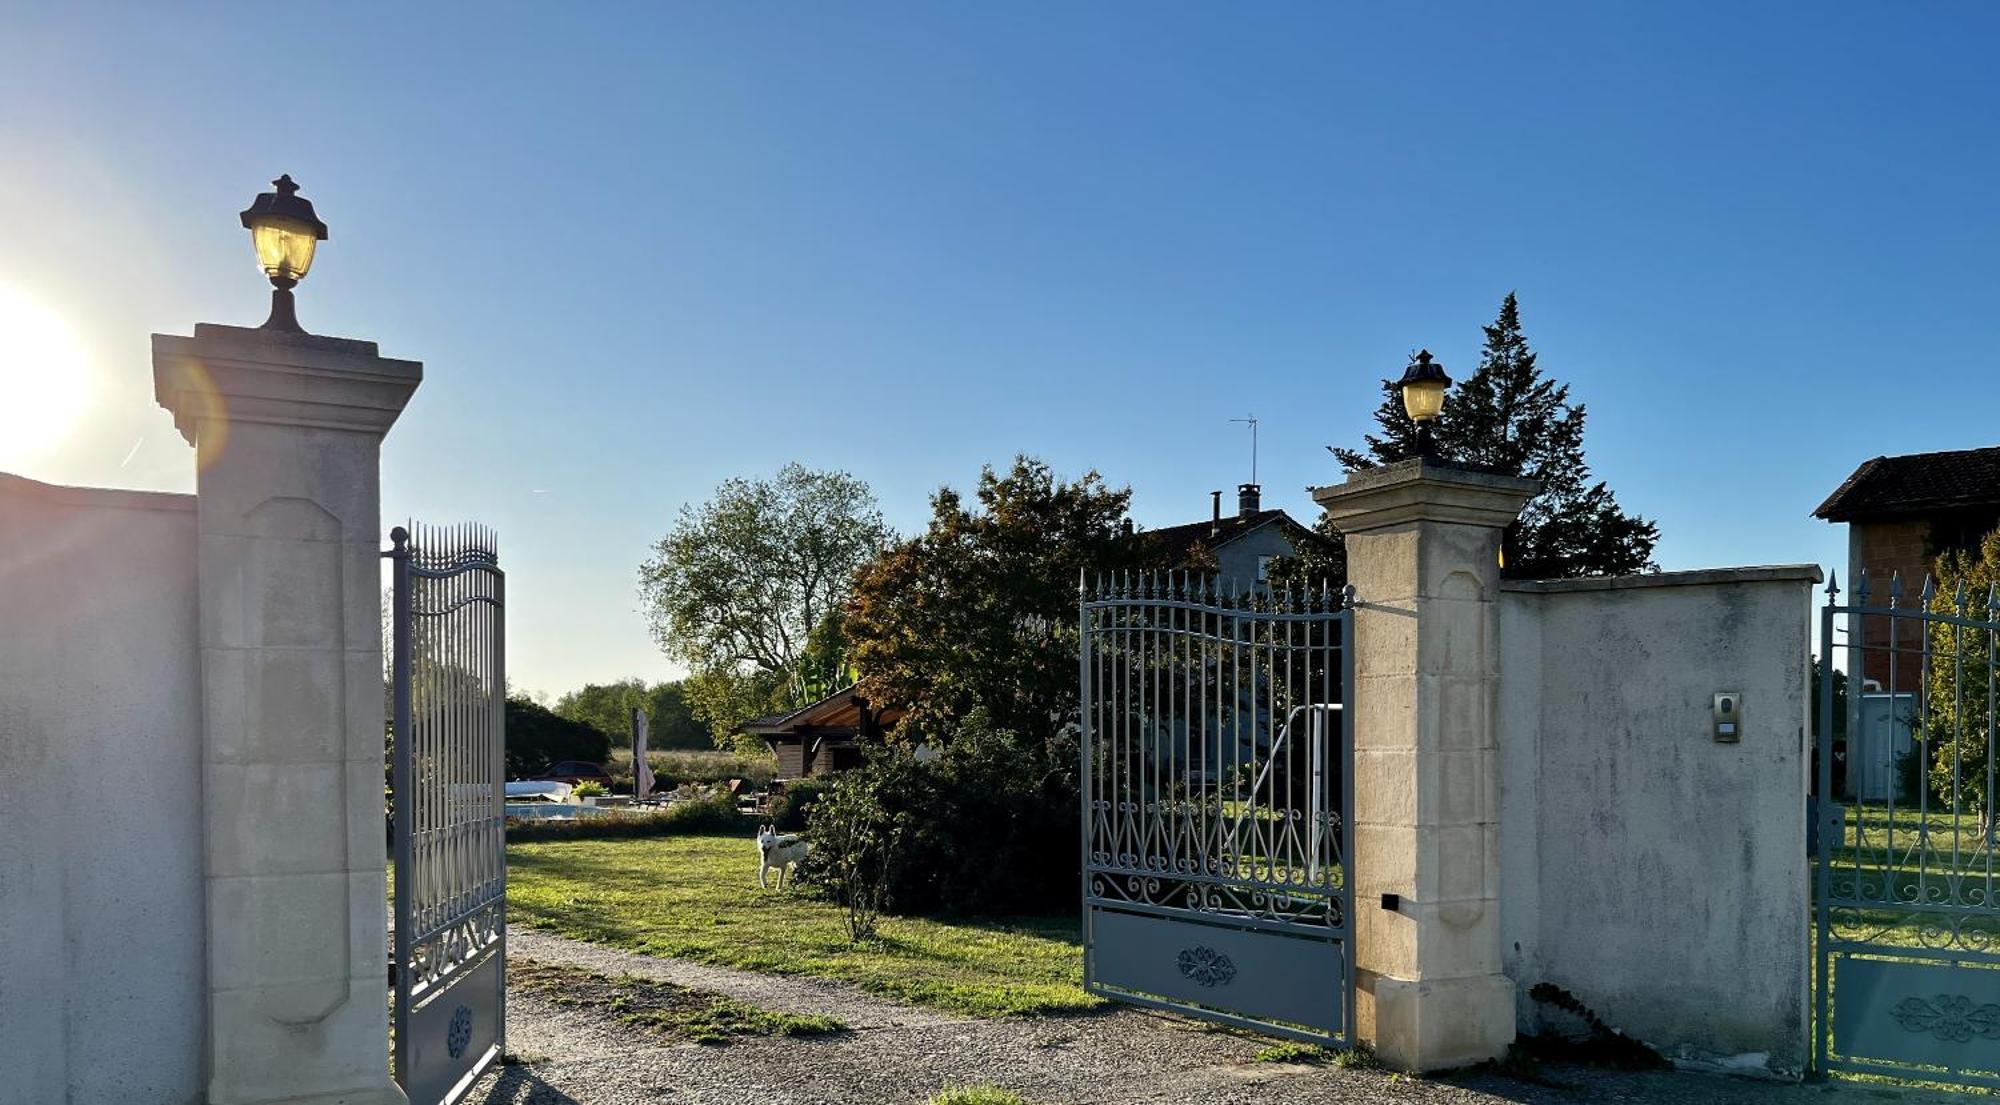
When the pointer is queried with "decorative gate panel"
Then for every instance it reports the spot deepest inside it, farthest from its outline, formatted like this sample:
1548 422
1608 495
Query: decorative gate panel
450 688
1907 978
1216 789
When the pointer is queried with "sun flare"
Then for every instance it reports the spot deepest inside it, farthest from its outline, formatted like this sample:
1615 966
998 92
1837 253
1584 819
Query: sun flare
45 378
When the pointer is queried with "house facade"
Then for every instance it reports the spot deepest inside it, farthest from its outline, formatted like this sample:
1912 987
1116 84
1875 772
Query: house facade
1237 549
822 737
1901 514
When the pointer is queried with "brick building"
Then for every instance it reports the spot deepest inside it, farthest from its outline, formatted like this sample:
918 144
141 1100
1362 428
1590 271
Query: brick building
1901 513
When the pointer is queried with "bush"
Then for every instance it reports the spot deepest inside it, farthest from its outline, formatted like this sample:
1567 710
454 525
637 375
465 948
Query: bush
713 815
793 805
858 842
588 789
674 767
988 827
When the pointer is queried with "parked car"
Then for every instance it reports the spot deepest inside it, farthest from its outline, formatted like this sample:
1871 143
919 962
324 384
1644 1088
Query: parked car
576 771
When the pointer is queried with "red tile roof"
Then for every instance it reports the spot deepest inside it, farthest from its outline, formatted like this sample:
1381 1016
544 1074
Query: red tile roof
1890 487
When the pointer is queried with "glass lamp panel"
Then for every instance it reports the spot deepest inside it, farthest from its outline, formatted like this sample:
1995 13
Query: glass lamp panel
1423 399
284 247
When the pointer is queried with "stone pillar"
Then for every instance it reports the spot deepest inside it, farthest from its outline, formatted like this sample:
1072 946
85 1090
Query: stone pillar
287 430
1423 544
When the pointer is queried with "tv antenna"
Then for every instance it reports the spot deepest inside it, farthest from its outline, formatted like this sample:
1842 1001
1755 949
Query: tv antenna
1252 420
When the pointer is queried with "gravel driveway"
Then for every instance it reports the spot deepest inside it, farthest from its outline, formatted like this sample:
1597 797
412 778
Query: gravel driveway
899 1055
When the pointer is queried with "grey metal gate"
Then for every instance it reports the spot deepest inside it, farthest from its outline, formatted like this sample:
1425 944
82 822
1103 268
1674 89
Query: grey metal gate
1217 780
450 686
1907 971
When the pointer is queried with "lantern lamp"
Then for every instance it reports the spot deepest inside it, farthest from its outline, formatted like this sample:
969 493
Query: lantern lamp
1423 386
285 232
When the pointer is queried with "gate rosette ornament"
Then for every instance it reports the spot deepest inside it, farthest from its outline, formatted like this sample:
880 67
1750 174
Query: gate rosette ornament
1950 1017
1205 966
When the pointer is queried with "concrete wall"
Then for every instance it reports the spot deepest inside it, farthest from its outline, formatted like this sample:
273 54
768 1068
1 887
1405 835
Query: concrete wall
101 922
1654 873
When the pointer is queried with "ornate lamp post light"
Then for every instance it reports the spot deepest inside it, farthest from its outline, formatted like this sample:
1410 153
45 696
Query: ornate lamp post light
285 231
1423 386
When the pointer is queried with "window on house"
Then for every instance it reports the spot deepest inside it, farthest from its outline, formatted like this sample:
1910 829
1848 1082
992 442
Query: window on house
1264 568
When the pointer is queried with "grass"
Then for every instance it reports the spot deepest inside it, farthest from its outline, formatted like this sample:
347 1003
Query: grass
1358 1057
696 898
1916 850
659 1007
975 1095
1913 856
1291 1051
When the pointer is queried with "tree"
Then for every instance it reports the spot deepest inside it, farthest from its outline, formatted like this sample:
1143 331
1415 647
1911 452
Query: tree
979 611
1958 688
537 738
1313 564
1507 417
739 587
608 707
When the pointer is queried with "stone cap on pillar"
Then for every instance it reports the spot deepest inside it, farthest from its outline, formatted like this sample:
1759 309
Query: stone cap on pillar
245 374
1419 490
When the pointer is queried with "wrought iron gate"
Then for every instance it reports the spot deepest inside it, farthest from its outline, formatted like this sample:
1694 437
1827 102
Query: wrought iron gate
450 686
1216 788
1907 972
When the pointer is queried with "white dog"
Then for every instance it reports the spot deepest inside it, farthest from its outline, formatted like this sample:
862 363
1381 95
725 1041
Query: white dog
777 853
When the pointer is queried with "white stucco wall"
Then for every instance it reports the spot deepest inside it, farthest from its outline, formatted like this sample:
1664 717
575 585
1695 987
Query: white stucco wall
101 924
1237 560
1654 873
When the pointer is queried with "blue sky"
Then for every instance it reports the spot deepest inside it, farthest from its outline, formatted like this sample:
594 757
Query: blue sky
643 249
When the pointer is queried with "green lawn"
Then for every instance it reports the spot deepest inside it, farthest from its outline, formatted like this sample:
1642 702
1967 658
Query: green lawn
696 897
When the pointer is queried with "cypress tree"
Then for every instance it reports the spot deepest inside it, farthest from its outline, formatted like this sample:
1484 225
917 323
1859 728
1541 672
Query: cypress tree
1507 417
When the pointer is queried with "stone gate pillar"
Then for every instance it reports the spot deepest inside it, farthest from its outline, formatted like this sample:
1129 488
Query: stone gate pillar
1423 545
287 430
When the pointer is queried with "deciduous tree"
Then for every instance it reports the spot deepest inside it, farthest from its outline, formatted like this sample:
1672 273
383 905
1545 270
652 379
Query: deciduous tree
1959 685
739 588
979 610
537 737
608 707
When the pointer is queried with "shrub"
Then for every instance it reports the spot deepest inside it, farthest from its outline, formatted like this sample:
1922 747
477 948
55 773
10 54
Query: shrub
857 840
793 805
674 767
988 827
588 789
713 815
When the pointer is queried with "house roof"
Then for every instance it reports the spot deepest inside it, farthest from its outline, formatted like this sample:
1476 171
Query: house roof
839 710
1920 483
1176 544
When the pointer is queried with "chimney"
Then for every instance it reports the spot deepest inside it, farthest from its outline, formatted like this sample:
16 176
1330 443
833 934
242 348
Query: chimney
1215 525
1248 499
1125 527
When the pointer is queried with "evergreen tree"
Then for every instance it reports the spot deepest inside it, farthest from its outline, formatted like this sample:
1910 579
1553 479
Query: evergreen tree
1507 417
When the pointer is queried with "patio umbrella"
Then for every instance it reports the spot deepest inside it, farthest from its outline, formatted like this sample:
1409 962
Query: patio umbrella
642 772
